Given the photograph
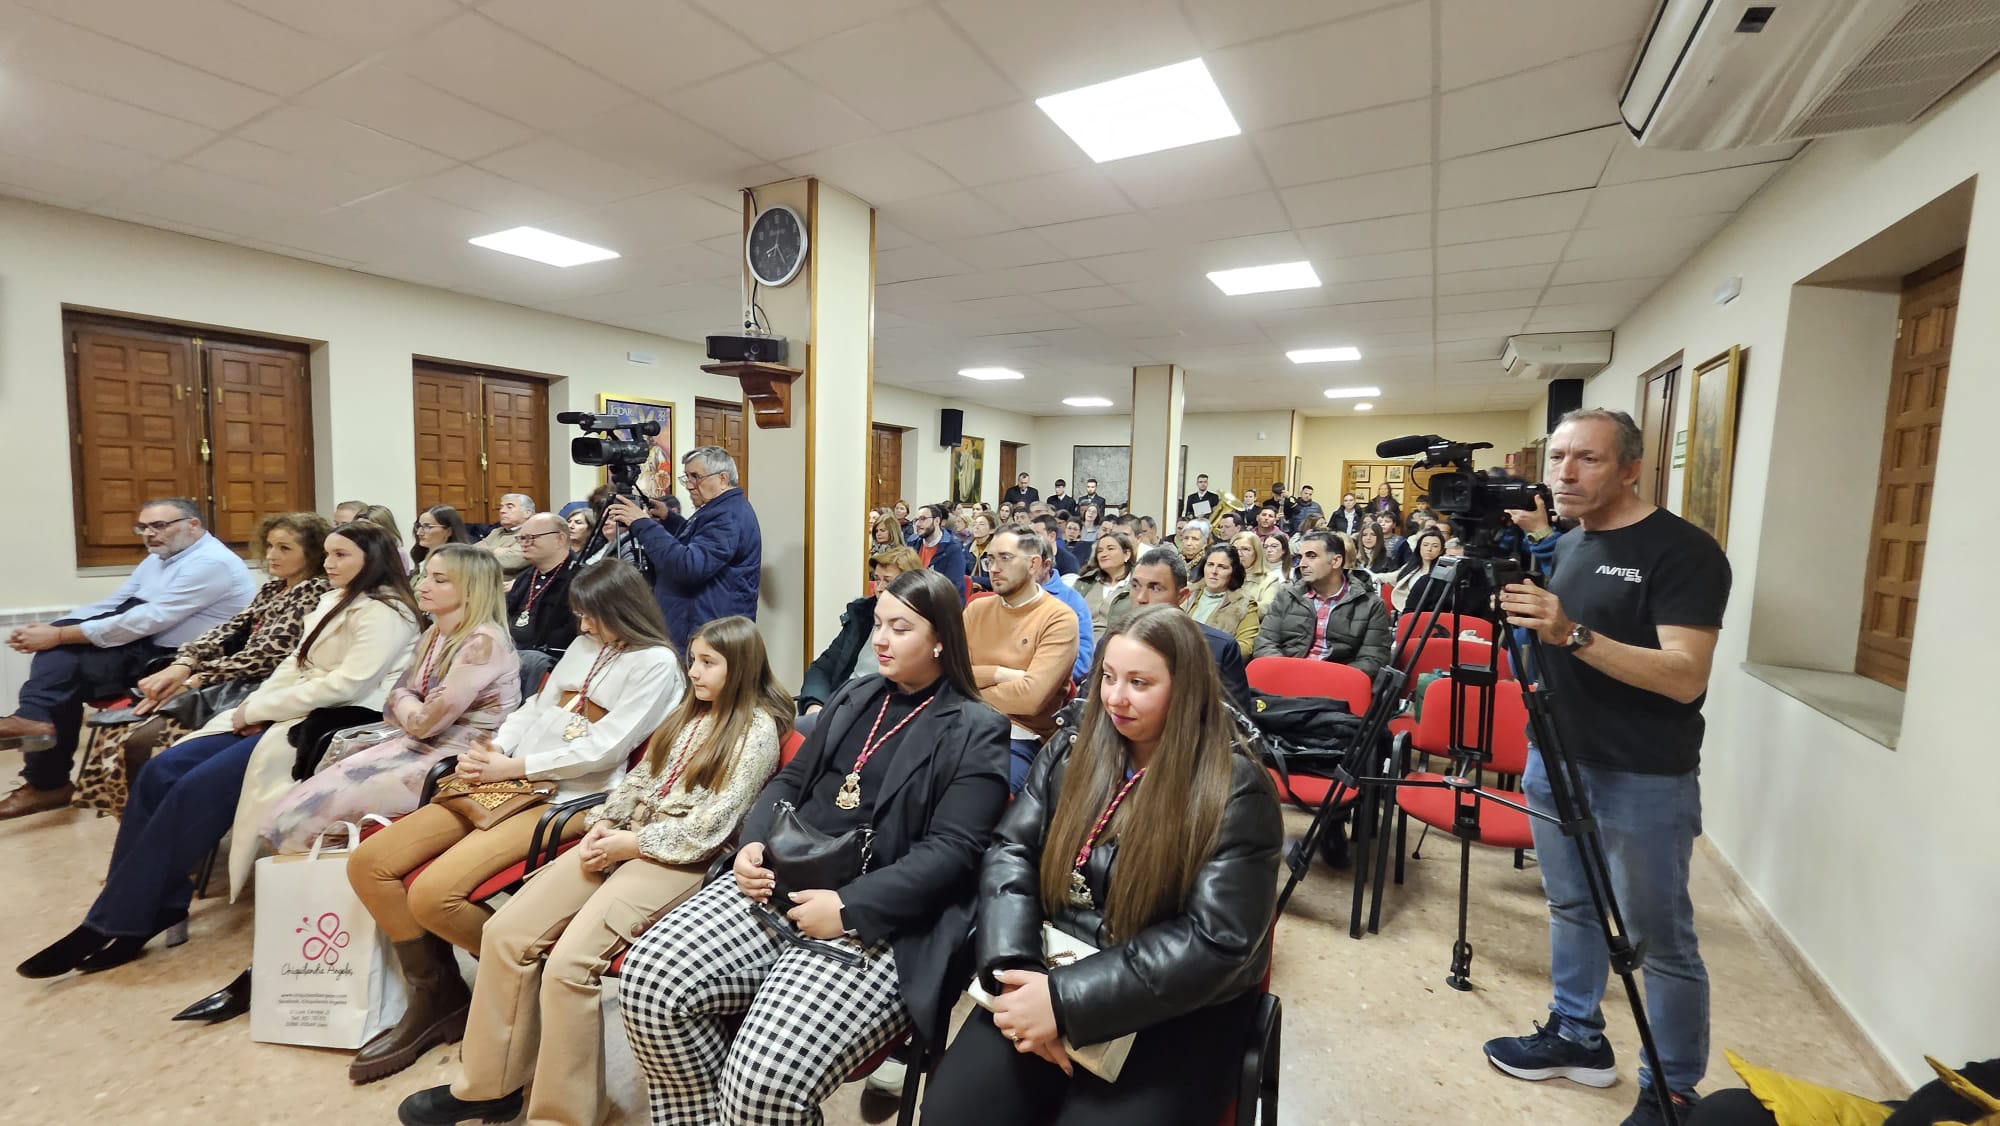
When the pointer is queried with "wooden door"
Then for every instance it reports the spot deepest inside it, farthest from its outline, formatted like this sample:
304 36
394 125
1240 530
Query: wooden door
1657 424
1010 462
885 465
448 454
1909 472
517 440
262 436
136 413
717 423
1256 473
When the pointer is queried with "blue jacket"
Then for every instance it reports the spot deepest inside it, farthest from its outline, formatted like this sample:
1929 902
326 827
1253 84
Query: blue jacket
949 560
1086 637
709 568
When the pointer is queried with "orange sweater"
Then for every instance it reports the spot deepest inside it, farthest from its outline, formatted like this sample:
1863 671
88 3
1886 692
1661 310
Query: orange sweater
1040 639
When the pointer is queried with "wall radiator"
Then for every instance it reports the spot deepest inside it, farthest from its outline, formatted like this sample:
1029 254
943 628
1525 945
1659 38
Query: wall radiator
14 666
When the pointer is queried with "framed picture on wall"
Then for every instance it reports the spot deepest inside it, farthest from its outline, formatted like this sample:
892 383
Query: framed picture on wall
1395 475
661 460
968 470
1711 445
1357 475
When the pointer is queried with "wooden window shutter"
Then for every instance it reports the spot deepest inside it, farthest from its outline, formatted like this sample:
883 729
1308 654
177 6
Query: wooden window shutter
133 396
261 435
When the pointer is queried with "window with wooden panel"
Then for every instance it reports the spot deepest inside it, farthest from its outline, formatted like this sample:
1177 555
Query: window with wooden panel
161 410
1909 471
479 436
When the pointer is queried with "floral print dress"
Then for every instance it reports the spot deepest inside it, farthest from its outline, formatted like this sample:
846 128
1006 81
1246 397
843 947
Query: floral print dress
437 708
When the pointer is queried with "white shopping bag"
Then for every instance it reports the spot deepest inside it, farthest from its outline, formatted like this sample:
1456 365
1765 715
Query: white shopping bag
321 974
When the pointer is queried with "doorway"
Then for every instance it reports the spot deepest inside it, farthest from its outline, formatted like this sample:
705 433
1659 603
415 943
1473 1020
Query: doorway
1656 422
717 423
885 465
1010 460
479 436
1255 473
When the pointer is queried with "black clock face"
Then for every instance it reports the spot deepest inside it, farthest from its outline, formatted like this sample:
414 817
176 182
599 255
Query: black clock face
777 246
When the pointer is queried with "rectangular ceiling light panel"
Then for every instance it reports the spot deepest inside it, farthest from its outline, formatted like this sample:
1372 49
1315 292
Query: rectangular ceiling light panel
1145 112
1265 279
991 375
541 246
1323 355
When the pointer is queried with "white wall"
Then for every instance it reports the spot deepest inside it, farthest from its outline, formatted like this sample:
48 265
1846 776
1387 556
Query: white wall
1880 864
1215 441
365 330
1328 440
926 465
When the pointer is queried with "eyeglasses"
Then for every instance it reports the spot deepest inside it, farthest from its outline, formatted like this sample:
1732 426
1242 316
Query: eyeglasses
157 526
423 527
694 479
529 538
1003 558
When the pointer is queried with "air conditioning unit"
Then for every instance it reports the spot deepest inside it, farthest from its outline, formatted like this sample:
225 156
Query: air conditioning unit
1556 355
1722 74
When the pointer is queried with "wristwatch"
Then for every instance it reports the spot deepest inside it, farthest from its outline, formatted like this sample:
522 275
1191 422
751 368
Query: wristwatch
1579 639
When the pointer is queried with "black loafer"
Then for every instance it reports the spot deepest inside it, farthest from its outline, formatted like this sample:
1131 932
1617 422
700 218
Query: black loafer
64 954
229 1002
437 1106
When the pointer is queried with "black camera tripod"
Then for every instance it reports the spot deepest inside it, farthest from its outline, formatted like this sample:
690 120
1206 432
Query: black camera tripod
625 484
1369 779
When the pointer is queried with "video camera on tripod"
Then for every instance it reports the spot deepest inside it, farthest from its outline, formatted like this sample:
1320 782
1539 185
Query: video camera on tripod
621 458
1476 500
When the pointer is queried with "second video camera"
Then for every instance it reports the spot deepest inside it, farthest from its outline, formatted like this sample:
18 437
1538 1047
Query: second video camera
622 458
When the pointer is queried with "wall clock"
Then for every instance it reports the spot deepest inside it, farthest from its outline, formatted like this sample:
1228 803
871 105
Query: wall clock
776 247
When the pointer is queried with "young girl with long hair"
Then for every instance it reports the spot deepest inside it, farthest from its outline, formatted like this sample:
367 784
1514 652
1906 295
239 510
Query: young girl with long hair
646 851
184 799
1150 831
1369 554
1415 588
914 756
613 687
462 679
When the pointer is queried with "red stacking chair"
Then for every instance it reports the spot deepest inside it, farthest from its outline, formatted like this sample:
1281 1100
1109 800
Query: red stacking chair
1459 803
1435 655
1444 625
1302 676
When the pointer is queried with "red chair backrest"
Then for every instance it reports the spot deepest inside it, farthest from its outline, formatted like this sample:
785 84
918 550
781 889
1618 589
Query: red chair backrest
1448 625
1435 655
789 749
1510 723
1302 676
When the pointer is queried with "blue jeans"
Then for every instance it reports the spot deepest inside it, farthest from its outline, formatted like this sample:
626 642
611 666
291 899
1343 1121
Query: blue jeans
1648 823
1020 756
182 802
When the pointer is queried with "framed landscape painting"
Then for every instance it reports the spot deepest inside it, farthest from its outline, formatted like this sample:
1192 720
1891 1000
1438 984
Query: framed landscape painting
1711 444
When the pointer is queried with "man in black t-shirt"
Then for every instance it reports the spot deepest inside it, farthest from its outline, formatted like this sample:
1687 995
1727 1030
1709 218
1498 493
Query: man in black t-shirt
1628 624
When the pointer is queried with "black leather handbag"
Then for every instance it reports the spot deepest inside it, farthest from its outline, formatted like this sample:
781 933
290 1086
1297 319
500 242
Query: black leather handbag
802 858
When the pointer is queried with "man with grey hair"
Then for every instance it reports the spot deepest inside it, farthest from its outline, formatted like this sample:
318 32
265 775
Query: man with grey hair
1023 643
188 583
709 568
515 508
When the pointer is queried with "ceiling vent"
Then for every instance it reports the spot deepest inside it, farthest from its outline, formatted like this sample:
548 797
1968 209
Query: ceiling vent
1722 74
1543 356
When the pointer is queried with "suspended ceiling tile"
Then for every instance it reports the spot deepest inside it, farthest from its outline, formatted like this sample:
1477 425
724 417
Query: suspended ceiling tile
1373 196
1487 281
1369 236
651 46
1498 253
34 44
1003 250
498 70
1221 23
658 144
46 117
568 171
1685 234
1009 143
213 36
1370 60
311 178
1482 40
356 148
903 72
1699 194
877 170
1107 234
780 25
1350 144
1494 299
950 215
1629 162
1189 174
1535 215
1049 46
1253 213
915 262
1557 164
770 111
1057 197
402 107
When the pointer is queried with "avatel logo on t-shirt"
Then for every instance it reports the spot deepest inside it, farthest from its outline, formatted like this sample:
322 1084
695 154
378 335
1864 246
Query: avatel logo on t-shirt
1629 574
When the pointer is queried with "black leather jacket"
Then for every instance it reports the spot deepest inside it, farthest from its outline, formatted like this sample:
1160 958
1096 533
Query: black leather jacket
1211 952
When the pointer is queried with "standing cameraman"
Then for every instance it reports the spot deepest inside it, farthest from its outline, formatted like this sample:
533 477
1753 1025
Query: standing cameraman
707 568
1629 619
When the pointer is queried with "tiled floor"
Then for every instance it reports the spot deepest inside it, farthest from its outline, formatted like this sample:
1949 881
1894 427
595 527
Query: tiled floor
1372 1033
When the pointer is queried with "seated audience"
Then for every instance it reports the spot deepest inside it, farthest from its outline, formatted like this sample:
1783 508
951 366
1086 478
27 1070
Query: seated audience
1420 517
618 542
1220 600
238 654
577 518
461 681
189 583
645 852
1192 541
1383 502
1393 543
1330 614
1226 526
1086 638
380 516
828 976
1281 562
436 526
1369 554
1260 580
539 619
1021 492
1090 499
1051 527
1179 910
884 535
710 568
937 547
184 799
1145 530
1106 582
1160 578
1415 589
1059 498
851 654
1023 643
975 551
1073 534
348 511
515 508
1266 520
1307 508
904 528
1090 523
1349 517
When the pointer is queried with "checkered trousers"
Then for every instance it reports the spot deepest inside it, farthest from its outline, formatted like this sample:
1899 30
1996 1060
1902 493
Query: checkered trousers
808 1020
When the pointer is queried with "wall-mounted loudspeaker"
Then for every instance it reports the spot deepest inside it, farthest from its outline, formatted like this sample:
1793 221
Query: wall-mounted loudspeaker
1565 395
951 427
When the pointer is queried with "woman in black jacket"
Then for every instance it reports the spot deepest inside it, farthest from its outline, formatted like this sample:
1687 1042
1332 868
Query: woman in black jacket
1153 834
912 754
849 654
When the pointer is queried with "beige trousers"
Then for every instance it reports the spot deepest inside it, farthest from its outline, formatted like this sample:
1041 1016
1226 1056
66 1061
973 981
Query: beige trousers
460 858
540 1020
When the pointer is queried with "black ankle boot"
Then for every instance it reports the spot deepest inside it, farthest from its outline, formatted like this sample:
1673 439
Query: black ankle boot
126 948
64 954
227 1003
437 1106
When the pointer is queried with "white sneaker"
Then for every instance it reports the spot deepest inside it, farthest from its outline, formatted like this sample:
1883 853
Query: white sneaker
888 1078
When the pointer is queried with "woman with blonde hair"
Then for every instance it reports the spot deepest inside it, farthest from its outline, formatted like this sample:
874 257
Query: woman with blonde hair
613 687
1151 832
1259 578
646 851
461 681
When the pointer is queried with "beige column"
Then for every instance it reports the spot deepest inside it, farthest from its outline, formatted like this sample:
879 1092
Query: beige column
808 481
1157 402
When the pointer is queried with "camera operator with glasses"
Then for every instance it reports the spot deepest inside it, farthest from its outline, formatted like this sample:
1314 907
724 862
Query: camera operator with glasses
708 568
1628 622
